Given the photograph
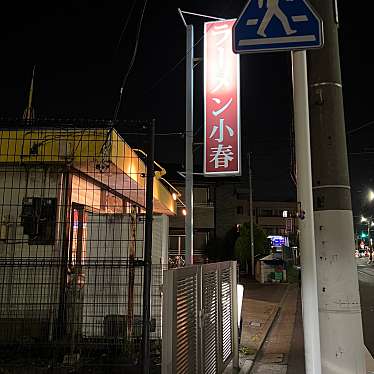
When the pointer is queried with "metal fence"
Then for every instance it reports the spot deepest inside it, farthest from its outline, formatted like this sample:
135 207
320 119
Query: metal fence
200 319
72 239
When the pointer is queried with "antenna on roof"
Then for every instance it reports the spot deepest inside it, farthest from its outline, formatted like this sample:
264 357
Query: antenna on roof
29 113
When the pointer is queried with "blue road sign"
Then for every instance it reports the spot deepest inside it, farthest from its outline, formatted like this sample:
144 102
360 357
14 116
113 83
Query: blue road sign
277 25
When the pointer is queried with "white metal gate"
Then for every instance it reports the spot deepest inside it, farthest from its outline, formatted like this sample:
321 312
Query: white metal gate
199 323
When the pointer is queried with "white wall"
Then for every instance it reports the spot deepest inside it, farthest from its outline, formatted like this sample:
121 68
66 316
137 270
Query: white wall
106 275
29 287
28 282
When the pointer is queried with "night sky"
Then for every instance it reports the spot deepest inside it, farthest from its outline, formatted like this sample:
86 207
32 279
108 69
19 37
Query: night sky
82 54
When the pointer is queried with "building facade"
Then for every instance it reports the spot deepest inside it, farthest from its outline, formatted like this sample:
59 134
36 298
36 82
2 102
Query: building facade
232 208
204 221
220 205
72 210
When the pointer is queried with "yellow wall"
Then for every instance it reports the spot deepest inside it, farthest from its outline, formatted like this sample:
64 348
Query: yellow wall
79 146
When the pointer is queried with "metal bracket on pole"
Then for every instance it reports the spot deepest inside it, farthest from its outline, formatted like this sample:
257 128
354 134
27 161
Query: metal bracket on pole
181 12
197 61
183 19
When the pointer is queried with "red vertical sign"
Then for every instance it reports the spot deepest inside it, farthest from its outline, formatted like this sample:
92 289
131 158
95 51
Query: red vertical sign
221 99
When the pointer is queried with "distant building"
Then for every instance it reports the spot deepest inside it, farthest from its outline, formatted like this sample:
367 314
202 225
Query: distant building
232 208
220 205
204 221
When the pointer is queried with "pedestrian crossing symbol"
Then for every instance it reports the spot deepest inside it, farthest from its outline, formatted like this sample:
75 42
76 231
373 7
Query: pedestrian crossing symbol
277 25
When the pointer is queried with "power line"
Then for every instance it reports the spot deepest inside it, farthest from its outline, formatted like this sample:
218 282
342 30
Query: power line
171 70
363 153
131 62
118 106
126 24
361 127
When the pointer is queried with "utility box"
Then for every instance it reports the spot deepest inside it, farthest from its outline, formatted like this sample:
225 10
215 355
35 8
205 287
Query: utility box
270 269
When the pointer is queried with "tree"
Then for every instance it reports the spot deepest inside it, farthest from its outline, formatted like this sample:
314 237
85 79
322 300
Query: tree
214 249
243 242
222 249
229 243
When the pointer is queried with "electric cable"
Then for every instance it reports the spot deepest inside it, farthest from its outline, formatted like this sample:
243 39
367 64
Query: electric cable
124 82
125 25
171 70
361 127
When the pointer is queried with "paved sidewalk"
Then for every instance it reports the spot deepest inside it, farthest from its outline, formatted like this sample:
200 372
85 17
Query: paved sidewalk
269 314
296 360
272 339
259 311
273 357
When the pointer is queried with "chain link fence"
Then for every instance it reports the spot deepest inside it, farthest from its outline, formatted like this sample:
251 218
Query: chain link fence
72 240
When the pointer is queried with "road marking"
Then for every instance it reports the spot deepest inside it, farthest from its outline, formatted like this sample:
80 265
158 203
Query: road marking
285 39
332 186
299 18
252 22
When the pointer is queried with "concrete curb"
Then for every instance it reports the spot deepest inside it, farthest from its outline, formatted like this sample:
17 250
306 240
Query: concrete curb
246 364
276 315
369 361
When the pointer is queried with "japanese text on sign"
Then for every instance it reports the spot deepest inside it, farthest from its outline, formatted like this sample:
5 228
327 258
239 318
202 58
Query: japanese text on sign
221 99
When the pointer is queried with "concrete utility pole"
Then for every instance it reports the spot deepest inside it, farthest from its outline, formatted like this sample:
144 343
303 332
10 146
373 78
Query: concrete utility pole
342 346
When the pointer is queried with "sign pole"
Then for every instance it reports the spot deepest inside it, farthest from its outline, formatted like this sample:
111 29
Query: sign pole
302 29
306 223
251 217
189 145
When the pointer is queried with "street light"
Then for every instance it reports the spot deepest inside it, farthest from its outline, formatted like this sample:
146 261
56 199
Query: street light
370 223
370 198
371 195
182 205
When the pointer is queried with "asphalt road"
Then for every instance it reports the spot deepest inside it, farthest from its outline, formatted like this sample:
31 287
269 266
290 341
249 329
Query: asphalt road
366 283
